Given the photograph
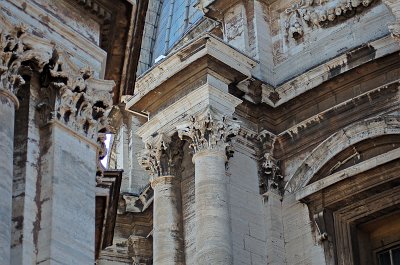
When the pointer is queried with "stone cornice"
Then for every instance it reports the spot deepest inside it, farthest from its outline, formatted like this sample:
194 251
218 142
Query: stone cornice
316 76
205 45
204 97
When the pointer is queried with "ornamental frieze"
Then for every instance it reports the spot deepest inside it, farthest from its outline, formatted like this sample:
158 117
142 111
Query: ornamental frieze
310 14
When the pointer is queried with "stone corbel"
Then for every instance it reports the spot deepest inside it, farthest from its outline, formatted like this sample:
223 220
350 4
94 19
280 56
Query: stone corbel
319 219
209 130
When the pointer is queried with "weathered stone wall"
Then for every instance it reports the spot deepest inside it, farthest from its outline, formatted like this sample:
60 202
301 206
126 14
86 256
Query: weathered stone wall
246 209
261 30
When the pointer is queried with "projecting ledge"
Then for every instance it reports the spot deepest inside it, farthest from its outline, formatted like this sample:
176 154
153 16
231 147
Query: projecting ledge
186 68
205 96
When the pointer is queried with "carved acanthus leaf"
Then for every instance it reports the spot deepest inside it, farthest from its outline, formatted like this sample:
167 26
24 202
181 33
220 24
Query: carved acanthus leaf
160 156
209 131
75 97
18 49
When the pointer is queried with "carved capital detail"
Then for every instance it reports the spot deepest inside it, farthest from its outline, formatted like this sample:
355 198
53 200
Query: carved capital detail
68 94
19 51
209 131
161 156
74 97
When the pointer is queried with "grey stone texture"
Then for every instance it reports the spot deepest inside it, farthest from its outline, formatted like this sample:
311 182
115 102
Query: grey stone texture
7 113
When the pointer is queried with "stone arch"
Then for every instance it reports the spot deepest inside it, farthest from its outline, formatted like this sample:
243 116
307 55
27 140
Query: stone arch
371 128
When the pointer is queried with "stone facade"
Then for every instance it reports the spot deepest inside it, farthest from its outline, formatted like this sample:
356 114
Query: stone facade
55 101
283 116
242 132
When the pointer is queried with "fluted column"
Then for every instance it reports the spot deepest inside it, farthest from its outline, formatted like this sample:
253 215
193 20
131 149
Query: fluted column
209 134
162 159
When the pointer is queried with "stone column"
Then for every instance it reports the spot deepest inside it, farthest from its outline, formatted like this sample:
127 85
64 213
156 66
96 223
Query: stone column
162 159
8 102
11 49
209 134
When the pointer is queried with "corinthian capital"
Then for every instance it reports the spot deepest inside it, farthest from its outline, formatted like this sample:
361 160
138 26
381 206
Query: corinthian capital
161 156
209 131
17 51
74 97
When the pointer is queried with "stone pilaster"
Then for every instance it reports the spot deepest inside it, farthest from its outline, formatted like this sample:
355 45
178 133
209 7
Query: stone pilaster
72 113
161 159
209 135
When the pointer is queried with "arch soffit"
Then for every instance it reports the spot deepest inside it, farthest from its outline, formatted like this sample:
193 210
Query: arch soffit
336 143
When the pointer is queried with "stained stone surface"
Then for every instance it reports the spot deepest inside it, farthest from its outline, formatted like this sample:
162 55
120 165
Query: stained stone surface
7 112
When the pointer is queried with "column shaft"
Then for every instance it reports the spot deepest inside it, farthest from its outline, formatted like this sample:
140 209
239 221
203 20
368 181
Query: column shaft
167 234
213 237
7 114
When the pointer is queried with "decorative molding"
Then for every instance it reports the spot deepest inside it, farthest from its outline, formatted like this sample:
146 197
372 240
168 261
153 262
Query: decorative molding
339 141
161 156
319 13
209 130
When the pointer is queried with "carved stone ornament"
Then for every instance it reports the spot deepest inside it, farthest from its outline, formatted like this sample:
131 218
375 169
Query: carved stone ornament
68 94
394 7
319 13
209 131
273 179
101 153
74 97
19 50
161 157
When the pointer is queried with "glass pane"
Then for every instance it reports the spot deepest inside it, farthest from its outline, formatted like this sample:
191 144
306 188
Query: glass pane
396 256
384 258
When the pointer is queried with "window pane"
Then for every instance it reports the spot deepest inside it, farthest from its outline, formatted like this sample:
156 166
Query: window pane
384 258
